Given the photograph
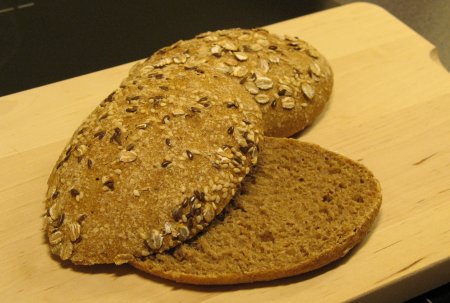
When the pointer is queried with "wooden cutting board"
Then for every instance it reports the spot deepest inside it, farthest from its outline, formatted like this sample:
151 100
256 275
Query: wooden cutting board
390 110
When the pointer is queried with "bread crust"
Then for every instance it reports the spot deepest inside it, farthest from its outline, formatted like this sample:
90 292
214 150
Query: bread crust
152 165
288 78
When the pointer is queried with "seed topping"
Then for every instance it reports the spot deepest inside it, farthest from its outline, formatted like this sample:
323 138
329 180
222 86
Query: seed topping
314 68
189 155
195 109
116 136
308 90
74 231
55 237
176 214
185 202
155 241
262 98
241 56
66 250
55 195
216 50
109 184
142 126
251 87
264 83
208 213
232 105
239 71
100 134
127 156
165 119
183 233
74 192
287 102
166 163
228 45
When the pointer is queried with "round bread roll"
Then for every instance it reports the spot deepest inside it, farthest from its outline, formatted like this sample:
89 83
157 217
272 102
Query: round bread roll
152 165
288 78
303 208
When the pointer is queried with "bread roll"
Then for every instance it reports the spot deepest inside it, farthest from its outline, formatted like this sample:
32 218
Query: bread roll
151 166
288 78
303 208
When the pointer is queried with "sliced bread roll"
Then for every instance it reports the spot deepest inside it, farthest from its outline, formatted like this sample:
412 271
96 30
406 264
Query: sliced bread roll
151 166
303 208
288 78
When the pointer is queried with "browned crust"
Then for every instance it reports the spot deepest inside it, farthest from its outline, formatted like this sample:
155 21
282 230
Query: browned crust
292 126
108 193
295 55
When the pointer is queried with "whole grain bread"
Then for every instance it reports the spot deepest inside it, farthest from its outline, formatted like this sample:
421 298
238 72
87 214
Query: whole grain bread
152 165
303 208
288 78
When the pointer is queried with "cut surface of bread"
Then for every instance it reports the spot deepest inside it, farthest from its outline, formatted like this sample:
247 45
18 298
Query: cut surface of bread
288 78
303 208
151 166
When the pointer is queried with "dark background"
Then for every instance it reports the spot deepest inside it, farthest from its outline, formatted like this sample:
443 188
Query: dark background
44 41
55 40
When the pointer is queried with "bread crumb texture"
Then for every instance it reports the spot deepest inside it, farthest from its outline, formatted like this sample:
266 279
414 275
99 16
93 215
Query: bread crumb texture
303 208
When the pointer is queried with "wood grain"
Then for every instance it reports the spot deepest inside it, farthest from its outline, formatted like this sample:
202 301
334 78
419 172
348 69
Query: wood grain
390 110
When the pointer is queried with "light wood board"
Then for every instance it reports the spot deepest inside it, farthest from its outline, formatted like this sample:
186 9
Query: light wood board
390 110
